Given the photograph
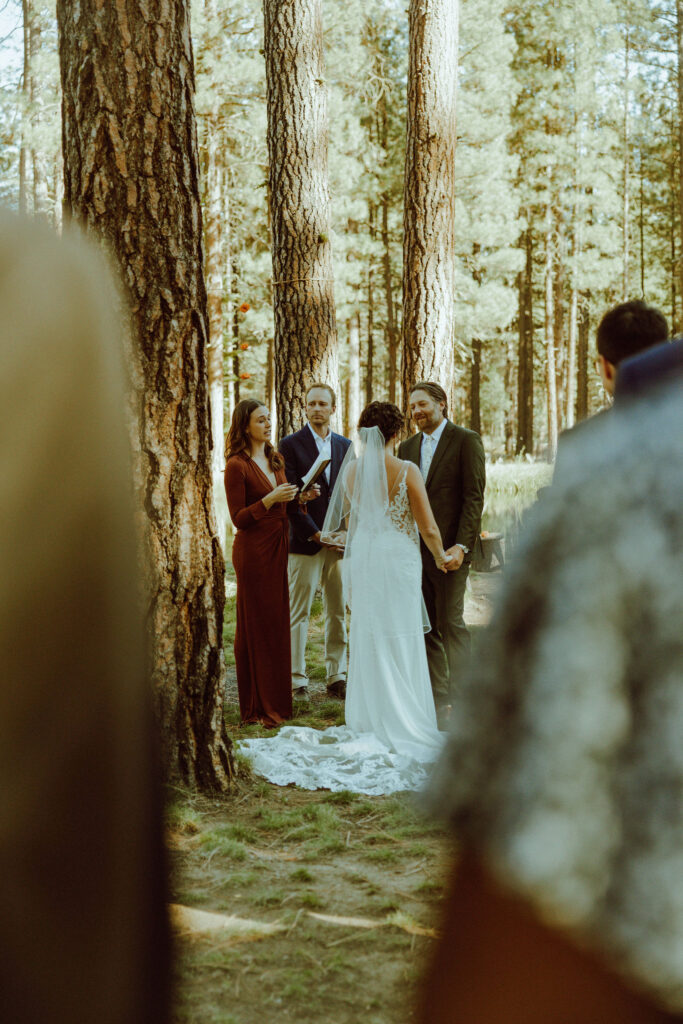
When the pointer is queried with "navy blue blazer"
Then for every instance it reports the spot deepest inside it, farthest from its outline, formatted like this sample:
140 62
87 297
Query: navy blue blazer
300 451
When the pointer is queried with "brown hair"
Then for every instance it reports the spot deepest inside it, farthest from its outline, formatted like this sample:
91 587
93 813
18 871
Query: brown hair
325 387
386 416
434 391
238 440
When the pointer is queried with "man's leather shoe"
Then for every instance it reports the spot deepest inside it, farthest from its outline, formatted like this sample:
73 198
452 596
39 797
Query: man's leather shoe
300 693
337 689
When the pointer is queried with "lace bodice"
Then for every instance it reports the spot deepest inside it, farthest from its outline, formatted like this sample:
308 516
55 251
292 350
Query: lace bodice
399 511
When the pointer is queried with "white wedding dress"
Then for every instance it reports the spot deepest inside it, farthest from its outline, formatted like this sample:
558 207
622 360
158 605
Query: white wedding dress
390 738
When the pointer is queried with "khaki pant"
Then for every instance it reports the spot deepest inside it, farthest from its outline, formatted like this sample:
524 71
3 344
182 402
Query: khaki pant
305 573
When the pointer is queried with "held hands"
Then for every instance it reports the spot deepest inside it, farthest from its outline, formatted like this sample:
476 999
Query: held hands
338 547
454 558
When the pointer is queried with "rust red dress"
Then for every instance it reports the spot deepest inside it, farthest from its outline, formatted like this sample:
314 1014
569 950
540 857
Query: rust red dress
259 555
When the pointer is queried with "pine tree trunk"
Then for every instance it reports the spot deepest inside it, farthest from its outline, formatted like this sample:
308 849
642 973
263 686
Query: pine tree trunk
679 84
475 387
429 193
353 326
551 378
582 361
370 352
392 340
303 289
509 391
25 112
558 313
626 182
525 362
131 177
40 194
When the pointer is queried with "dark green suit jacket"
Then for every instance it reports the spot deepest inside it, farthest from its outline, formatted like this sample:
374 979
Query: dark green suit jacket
455 483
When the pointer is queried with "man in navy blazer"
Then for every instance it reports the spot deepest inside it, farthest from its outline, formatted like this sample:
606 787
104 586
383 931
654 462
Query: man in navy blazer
310 562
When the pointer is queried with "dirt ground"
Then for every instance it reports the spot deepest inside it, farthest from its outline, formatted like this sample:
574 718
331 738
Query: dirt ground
352 884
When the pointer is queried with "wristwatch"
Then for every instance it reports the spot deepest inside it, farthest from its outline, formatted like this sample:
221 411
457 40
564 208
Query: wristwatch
463 546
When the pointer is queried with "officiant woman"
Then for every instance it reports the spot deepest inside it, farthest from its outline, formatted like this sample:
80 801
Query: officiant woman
259 499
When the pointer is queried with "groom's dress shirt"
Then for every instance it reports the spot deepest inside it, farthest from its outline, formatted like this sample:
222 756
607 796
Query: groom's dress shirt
324 446
428 447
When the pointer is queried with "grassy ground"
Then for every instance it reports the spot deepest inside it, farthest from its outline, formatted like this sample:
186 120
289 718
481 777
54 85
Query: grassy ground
281 855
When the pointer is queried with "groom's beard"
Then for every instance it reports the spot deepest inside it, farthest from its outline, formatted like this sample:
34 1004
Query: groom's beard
426 422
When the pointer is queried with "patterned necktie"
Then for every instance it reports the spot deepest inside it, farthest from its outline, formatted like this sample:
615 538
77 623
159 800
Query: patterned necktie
427 453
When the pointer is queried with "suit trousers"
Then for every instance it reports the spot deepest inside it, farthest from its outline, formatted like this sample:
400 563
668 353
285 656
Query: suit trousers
448 642
305 573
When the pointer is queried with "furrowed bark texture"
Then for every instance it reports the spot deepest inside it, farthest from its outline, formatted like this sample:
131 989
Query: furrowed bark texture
303 288
131 177
429 193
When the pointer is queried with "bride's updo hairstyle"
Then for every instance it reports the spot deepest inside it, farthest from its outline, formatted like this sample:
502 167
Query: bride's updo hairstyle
385 415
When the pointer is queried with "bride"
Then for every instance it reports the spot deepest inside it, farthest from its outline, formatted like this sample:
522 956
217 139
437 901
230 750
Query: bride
377 508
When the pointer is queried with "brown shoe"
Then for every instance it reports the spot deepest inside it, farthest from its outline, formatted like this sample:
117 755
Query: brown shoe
337 689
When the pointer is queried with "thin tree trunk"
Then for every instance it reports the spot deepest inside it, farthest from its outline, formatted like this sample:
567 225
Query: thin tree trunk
509 391
370 356
305 318
582 360
570 406
551 379
392 338
429 192
353 326
40 195
235 358
641 221
679 84
131 177
525 362
475 386
625 250
26 12
558 313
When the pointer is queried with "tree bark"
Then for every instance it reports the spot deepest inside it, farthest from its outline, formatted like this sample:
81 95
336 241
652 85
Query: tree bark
551 378
303 288
475 386
582 361
429 192
525 361
679 85
509 391
26 13
626 176
131 177
370 351
392 335
354 371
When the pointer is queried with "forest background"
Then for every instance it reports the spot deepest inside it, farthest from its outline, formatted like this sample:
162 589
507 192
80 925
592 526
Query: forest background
568 191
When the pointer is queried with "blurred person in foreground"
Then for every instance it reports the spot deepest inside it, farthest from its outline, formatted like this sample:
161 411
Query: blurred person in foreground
563 774
83 928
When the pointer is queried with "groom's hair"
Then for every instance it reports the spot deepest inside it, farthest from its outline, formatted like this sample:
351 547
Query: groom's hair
385 415
434 391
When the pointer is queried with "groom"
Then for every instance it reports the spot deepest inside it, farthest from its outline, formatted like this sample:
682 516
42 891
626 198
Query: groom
451 460
310 561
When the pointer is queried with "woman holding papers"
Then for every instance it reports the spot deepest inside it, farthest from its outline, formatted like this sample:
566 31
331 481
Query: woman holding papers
259 499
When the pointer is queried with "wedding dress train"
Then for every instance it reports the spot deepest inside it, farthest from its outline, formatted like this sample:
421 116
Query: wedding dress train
390 738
